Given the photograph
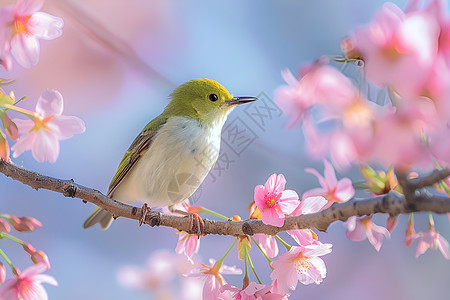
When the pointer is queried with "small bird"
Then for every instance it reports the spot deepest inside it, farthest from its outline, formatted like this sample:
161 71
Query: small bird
173 154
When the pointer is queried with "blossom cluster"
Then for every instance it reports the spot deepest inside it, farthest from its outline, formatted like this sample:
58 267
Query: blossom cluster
405 53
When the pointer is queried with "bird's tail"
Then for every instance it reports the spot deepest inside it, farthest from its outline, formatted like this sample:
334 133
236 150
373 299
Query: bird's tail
100 216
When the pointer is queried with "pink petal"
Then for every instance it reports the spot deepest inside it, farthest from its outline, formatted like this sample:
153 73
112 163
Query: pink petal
442 244
330 175
230 270
24 126
275 183
25 49
45 26
27 7
271 217
314 172
33 270
267 243
287 206
50 103
66 126
24 143
211 288
288 77
44 278
344 190
317 250
303 237
45 146
422 247
358 233
259 197
310 205
314 192
376 235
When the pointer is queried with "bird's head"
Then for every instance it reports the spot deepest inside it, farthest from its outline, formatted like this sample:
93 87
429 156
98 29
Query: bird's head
205 100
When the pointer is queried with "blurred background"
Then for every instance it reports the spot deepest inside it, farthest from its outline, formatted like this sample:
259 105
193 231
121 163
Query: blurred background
115 65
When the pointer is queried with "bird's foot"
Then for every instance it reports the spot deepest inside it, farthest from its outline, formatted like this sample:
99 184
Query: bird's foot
197 224
144 210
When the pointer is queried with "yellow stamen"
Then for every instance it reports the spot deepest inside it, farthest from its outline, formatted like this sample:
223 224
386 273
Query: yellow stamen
270 202
20 24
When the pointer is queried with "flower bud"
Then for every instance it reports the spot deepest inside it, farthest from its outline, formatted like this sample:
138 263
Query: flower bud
28 248
40 257
4 226
23 224
391 223
2 273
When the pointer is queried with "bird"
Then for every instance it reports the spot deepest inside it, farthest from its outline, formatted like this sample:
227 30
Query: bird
172 155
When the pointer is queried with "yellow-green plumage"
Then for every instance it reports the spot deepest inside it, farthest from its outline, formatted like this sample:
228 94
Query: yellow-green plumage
166 162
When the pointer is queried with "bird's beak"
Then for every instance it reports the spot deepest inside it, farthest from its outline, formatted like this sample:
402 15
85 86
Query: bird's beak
239 100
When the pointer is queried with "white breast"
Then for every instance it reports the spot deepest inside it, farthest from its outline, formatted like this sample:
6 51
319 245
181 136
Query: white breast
178 160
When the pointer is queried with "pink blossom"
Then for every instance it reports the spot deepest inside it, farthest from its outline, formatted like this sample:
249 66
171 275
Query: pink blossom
22 27
28 285
213 277
188 244
307 206
268 243
358 229
331 189
432 239
301 263
274 201
319 83
42 134
253 291
398 49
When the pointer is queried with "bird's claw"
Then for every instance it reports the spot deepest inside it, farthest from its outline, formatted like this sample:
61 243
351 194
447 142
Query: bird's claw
144 211
197 224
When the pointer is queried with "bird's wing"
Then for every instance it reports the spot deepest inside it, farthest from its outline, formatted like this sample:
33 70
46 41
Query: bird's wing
139 146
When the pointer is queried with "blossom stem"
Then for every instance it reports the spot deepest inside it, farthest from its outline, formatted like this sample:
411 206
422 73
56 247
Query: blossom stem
253 268
31 114
430 221
11 237
288 247
220 261
263 252
8 261
205 210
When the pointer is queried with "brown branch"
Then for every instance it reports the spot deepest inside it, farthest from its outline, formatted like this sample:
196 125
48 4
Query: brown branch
392 203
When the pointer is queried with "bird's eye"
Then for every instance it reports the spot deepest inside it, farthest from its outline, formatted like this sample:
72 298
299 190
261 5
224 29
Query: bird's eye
213 97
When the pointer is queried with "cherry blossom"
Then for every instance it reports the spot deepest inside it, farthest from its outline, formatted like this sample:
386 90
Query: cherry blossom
274 201
188 244
43 132
22 25
301 263
212 275
331 189
406 44
358 229
27 285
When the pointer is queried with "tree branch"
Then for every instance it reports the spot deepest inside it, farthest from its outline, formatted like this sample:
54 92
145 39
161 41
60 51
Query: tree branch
392 203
